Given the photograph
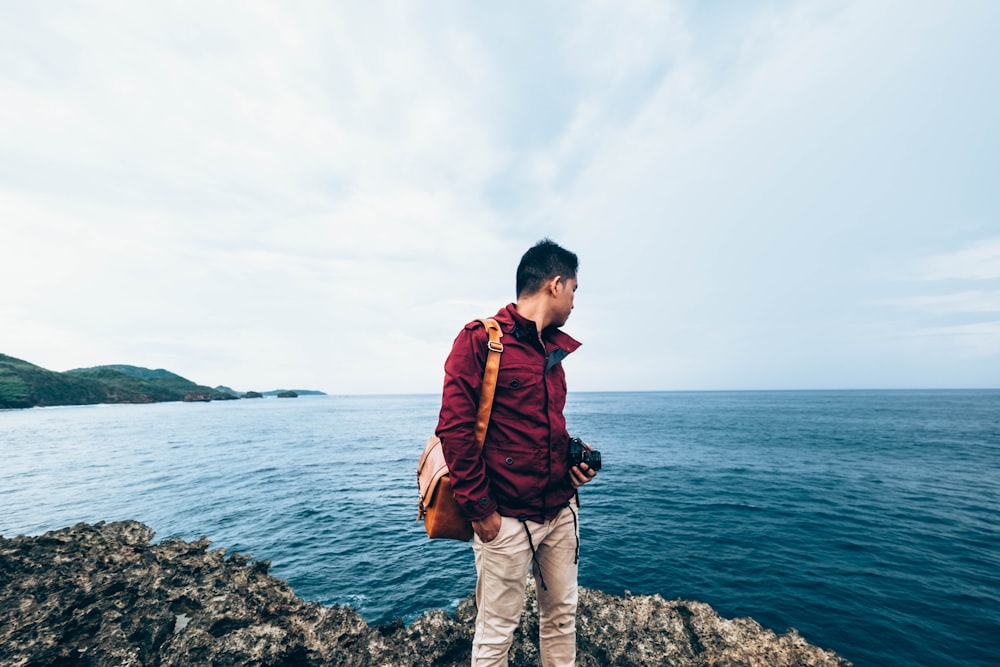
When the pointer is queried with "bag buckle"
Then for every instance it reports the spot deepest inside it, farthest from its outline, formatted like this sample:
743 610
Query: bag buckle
494 345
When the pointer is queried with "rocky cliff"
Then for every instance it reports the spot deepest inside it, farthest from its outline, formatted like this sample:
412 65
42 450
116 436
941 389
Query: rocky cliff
104 595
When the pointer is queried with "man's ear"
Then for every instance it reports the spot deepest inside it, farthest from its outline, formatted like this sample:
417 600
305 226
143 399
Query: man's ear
554 285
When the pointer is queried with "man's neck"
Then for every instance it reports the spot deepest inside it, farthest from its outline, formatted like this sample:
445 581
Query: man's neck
531 308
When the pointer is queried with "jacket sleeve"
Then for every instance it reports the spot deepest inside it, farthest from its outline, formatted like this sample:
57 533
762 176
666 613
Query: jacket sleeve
463 379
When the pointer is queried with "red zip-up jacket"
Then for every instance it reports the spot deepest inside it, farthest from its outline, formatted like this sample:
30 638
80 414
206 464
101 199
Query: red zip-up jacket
523 470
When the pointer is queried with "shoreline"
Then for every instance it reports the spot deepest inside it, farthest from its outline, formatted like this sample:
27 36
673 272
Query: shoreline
106 595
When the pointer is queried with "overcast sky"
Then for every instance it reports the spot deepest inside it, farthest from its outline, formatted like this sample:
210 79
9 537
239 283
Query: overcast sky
763 195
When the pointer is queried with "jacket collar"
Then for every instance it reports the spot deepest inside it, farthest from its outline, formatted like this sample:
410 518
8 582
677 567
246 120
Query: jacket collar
512 322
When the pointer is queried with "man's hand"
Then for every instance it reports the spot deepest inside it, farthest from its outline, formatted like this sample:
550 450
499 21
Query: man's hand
487 529
581 474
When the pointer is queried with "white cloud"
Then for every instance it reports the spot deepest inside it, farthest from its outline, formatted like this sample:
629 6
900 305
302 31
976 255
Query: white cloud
977 341
972 301
979 261
318 194
956 316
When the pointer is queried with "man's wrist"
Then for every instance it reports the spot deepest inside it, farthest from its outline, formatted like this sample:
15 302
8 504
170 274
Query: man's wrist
482 511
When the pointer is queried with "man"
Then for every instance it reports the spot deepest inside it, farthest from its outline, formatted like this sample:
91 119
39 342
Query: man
520 491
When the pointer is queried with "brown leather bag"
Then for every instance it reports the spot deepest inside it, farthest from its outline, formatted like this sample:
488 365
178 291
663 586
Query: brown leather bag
442 517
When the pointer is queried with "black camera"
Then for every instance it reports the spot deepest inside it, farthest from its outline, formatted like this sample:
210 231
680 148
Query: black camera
578 453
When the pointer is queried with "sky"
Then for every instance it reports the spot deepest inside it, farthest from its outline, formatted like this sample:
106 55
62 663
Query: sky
319 195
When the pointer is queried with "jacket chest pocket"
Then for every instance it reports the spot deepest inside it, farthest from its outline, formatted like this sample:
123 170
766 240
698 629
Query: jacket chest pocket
518 379
519 405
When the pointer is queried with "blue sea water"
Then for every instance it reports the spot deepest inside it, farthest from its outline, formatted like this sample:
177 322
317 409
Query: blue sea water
868 520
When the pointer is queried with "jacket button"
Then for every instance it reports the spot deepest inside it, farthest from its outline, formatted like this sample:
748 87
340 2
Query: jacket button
515 383
509 461
484 501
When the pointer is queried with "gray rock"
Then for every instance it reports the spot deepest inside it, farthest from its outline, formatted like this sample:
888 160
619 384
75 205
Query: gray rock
103 595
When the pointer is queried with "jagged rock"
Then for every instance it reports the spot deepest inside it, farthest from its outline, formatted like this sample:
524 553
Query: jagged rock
103 595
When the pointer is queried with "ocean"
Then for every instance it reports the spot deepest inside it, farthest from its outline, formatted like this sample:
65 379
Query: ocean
867 520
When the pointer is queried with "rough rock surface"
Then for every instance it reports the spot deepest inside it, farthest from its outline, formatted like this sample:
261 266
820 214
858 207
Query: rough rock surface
104 595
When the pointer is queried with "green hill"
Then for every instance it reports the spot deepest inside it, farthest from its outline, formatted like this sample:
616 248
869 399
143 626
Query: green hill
24 385
137 372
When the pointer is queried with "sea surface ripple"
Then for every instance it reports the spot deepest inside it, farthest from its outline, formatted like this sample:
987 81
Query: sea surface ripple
865 519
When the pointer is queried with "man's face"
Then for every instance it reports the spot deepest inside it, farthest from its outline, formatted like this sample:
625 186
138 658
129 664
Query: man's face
565 291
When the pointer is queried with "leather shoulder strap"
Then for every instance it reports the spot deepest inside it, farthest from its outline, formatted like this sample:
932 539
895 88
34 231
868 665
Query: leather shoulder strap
494 348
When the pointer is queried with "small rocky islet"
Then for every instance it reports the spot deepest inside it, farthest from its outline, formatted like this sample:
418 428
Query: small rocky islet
104 594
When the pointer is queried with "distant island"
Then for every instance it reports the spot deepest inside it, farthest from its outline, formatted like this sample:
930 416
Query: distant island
25 385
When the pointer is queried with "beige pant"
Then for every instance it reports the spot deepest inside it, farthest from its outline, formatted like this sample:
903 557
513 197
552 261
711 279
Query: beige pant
502 567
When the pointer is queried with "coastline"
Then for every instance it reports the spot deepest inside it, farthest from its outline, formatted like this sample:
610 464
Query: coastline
103 594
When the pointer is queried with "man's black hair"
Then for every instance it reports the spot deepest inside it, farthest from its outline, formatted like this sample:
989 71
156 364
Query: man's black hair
543 261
